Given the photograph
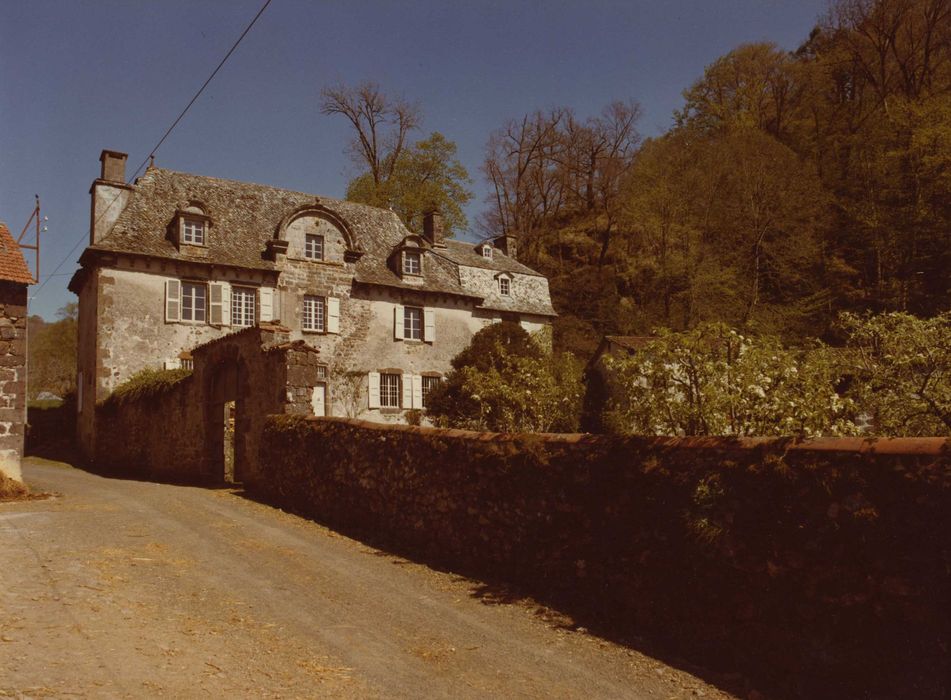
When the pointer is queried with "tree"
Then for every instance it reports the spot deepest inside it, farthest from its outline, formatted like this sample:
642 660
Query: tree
52 354
426 177
381 124
903 371
508 381
714 381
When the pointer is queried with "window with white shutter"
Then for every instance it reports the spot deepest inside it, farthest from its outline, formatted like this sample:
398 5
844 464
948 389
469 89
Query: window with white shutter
333 315
215 303
398 322
173 301
373 390
429 321
266 298
417 391
407 387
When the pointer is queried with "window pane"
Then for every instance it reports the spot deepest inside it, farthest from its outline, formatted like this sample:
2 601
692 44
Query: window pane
411 263
313 314
242 306
391 390
412 323
429 383
314 246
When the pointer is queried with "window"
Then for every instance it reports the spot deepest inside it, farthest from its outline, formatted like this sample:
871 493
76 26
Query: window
412 263
313 246
314 316
412 323
193 231
322 372
193 301
505 286
242 306
391 390
487 251
429 383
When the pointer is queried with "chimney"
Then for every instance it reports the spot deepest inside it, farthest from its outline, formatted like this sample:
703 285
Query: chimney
433 229
109 193
113 166
508 244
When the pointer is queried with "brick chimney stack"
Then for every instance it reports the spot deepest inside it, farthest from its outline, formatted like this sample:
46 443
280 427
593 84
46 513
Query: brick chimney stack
434 229
508 244
113 166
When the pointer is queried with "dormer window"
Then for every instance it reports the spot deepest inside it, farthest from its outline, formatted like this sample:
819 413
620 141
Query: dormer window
314 247
487 251
193 231
505 286
412 262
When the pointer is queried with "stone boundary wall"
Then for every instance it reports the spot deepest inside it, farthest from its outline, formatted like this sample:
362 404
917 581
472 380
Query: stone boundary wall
818 569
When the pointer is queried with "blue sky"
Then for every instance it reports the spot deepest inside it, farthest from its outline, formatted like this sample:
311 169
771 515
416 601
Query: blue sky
78 76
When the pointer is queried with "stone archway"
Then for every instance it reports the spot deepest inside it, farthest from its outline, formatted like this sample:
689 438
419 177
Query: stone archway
226 420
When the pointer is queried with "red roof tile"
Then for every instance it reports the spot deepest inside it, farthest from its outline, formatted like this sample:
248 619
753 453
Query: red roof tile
13 267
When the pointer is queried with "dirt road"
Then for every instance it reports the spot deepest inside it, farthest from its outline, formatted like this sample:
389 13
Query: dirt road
130 589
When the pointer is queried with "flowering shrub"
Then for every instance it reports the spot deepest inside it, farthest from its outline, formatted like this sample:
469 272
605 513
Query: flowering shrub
506 381
716 381
902 365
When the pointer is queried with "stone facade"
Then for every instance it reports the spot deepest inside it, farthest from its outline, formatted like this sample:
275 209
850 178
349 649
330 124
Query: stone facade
15 277
12 376
178 260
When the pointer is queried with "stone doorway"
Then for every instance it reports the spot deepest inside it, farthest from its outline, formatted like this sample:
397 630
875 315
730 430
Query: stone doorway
224 422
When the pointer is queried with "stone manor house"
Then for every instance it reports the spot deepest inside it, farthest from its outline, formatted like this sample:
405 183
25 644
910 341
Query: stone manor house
177 260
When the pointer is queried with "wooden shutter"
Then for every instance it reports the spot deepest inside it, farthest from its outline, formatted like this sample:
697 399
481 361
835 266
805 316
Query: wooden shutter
398 322
214 304
407 391
429 325
173 300
417 391
374 390
266 299
333 315
225 304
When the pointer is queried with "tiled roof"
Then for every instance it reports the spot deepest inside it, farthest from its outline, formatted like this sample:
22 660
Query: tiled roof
245 216
465 253
13 267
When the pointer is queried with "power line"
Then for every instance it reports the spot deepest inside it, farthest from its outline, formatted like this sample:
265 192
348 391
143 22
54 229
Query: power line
160 141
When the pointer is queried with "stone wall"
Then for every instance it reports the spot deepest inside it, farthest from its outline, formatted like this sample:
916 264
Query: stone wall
177 431
12 376
819 569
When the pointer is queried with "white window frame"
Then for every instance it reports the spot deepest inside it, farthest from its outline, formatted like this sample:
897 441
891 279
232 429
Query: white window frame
505 286
417 257
243 306
193 230
413 322
487 251
314 246
314 314
391 390
189 299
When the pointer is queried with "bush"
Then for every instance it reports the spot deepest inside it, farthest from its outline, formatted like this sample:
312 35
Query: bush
145 384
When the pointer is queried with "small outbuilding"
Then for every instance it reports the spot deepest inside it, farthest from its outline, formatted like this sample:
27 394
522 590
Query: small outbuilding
15 278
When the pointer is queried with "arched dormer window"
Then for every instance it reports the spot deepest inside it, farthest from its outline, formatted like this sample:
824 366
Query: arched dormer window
407 259
485 250
316 234
504 281
191 226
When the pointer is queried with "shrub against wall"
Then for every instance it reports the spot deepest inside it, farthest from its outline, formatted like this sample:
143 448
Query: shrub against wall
822 572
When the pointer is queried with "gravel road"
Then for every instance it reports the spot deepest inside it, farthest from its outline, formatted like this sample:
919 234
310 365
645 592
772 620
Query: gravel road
127 589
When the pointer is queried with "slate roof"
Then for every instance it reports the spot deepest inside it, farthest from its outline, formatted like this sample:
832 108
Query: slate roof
465 253
13 267
245 216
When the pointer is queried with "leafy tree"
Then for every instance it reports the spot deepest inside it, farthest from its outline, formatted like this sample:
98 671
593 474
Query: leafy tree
903 371
52 353
714 381
508 381
426 177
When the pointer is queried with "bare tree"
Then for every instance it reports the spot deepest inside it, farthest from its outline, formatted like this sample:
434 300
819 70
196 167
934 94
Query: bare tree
381 124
